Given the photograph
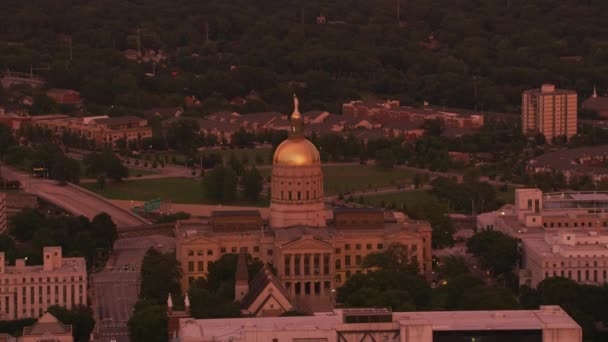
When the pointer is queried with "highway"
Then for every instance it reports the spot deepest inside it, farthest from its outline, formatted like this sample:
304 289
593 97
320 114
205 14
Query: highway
74 199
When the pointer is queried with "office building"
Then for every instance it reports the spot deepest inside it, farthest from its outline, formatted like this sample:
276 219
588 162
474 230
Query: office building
27 291
549 111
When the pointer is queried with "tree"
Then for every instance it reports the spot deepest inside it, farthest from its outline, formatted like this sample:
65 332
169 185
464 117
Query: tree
148 323
252 183
220 184
497 252
104 231
434 127
385 159
7 140
160 275
26 223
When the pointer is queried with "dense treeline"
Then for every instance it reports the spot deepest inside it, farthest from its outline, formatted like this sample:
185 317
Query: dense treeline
486 52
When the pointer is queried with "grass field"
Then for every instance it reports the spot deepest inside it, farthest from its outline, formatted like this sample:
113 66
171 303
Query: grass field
240 153
349 178
400 198
134 172
178 190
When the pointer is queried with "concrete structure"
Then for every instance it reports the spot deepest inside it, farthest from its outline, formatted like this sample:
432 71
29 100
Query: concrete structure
549 111
562 234
27 291
47 329
589 161
3 218
550 323
102 130
312 253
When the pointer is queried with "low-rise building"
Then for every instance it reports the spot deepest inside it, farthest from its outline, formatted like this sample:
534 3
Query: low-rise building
102 130
598 104
562 234
589 161
549 323
47 329
26 291
65 96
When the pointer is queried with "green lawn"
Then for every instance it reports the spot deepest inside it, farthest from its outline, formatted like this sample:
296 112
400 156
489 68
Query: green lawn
349 178
178 190
135 172
239 153
400 198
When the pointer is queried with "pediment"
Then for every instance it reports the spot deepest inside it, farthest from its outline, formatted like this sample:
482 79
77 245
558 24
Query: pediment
304 243
199 239
403 235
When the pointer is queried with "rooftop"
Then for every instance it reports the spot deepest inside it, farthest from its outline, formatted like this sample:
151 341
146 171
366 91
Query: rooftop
123 120
67 265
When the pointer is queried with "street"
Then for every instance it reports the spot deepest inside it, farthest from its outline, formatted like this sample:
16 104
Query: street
114 290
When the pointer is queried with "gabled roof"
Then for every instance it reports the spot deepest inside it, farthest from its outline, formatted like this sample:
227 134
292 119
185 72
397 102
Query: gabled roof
261 281
47 324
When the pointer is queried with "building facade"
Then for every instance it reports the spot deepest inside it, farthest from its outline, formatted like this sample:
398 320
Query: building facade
314 250
549 323
27 291
3 219
102 130
549 111
562 234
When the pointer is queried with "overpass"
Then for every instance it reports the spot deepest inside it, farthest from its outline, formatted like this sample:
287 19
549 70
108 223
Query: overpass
76 200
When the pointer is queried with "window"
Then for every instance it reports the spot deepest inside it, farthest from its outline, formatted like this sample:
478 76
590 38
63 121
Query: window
338 264
306 264
358 246
289 195
299 195
210 252
287 264
530 204
199 252
233 249
307 195
190 266
347 274
256 249
347 260
307 288
369 246
269 252
223 250
358 260
338 250
325 264
190 252
380 246
338 278
347 246
282 197
200 266
297 259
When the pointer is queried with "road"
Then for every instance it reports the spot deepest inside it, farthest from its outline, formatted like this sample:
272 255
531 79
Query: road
114 290
74 199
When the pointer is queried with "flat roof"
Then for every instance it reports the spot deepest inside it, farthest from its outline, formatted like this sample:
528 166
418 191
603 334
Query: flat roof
590 197
229 213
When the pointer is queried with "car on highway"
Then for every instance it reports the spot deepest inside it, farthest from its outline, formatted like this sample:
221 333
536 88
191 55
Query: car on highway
133 267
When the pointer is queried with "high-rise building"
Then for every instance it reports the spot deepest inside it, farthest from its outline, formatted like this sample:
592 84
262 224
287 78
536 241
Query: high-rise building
549 111
27 291
3 219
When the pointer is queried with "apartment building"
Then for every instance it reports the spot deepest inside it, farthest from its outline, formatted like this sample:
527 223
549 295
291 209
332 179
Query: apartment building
27 291
549 111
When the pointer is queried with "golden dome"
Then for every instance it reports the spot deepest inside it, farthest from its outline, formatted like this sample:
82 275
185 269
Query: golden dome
296 151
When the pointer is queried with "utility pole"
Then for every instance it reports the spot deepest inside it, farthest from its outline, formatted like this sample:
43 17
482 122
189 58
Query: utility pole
398 12
70 44
139 41
206 31
302 15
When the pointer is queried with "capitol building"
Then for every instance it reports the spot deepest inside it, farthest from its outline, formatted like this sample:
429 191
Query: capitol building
313 248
